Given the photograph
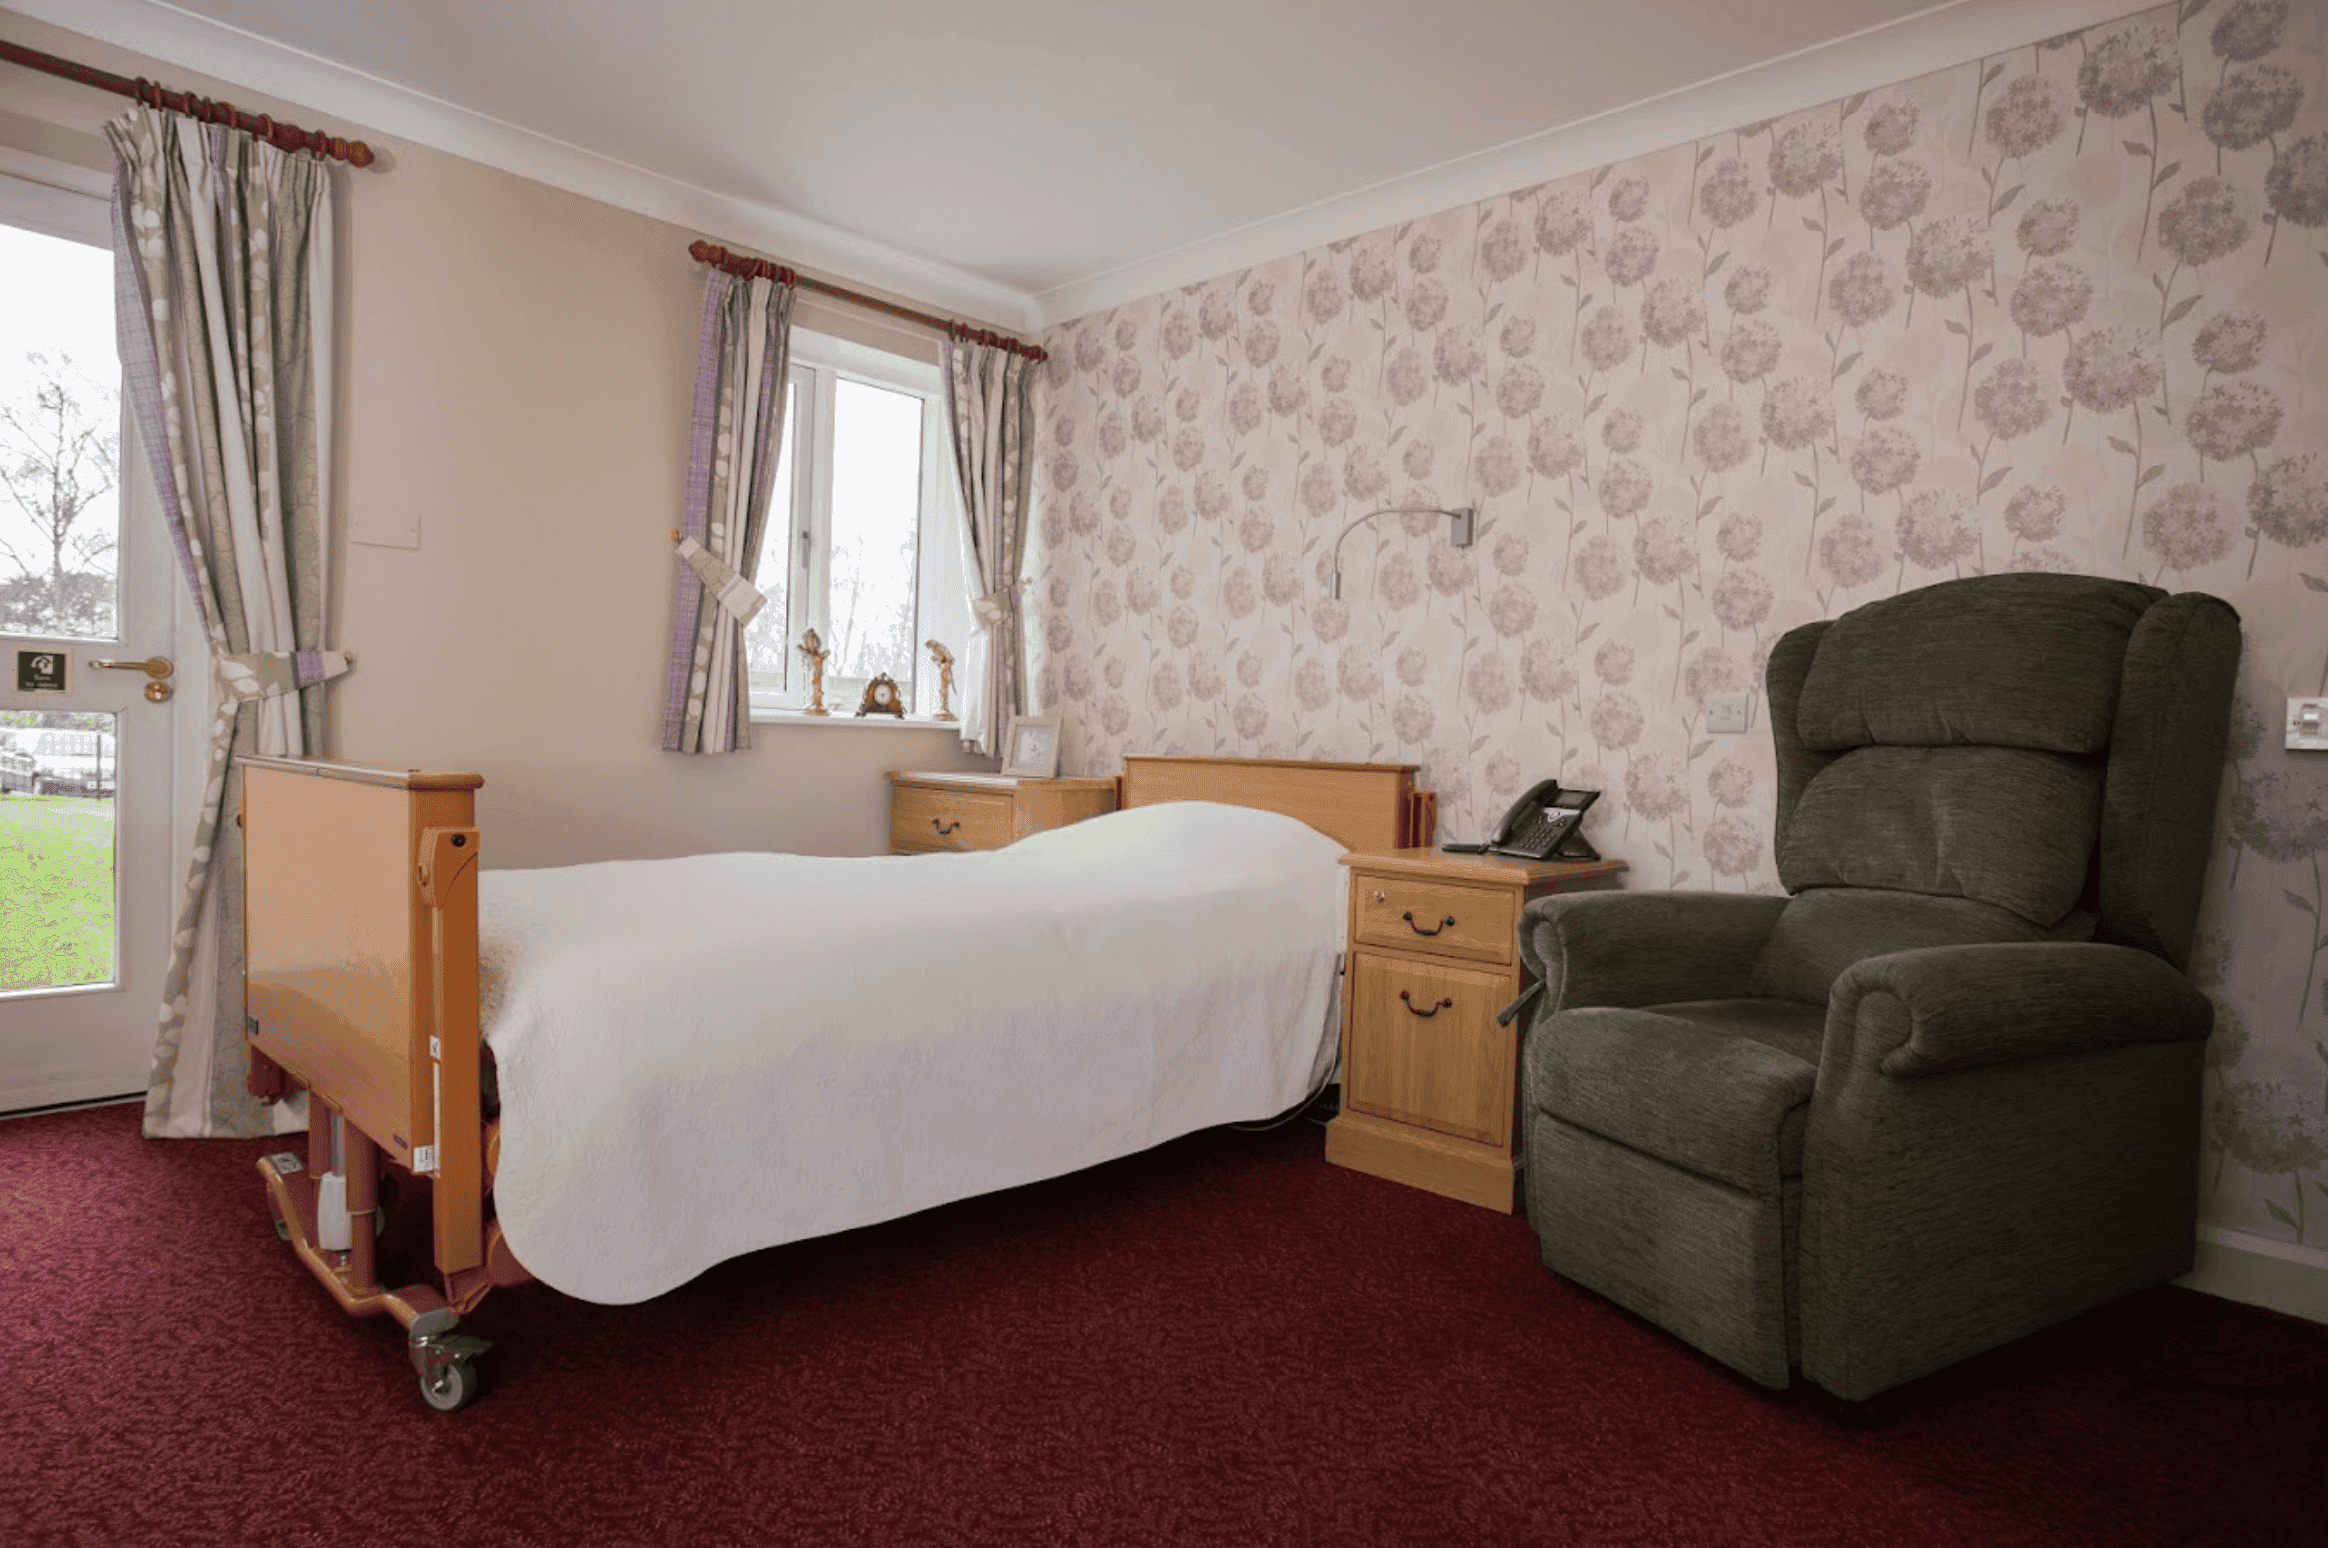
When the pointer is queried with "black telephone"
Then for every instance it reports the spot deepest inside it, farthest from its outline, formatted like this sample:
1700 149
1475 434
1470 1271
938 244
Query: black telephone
1542 825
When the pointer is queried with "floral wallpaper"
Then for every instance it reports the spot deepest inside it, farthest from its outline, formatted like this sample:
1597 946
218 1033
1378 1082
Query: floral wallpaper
2060 309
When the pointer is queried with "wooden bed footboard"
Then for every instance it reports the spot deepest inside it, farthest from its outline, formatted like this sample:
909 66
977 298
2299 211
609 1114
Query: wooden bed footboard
360 939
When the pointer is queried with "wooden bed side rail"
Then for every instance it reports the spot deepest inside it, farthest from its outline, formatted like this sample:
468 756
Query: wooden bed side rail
361 949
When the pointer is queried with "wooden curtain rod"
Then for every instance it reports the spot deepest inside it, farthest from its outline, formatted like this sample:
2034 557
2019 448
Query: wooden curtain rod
281 136
760 268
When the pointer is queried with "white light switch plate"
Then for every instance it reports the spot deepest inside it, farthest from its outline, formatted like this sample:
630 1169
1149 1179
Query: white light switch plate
2308 725
1726 712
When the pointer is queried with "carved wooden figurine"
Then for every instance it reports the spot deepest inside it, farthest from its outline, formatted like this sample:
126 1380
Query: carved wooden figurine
813 648
945 660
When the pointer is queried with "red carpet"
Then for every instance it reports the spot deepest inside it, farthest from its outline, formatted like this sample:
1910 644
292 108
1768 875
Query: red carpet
1223 1341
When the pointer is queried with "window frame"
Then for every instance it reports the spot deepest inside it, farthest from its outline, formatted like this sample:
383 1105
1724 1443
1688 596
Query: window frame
819 363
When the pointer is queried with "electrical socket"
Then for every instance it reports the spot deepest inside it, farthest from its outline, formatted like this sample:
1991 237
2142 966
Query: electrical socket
2308 725
1725 713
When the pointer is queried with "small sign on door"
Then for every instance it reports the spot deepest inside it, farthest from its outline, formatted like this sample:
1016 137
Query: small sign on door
43 671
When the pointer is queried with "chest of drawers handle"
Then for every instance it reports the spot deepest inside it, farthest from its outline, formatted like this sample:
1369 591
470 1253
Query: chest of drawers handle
944 828
1416 1010
1409 917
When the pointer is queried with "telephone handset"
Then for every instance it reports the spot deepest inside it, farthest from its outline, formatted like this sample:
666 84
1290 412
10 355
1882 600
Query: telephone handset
1541 825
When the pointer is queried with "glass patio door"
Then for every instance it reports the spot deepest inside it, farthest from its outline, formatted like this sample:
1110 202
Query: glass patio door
88 687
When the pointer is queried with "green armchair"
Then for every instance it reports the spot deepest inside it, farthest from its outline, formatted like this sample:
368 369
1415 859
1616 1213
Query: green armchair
1946 1092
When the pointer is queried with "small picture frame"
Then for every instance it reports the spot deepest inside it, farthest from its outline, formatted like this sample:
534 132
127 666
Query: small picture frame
1031 747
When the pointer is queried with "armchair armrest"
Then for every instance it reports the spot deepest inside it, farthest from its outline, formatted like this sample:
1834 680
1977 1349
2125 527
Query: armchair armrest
1958 1007
1643 948
2000 1136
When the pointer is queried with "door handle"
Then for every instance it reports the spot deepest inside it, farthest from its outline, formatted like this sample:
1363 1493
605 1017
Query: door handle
152 666
156 669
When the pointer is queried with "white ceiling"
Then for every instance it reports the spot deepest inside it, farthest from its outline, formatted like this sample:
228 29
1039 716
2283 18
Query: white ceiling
1024 161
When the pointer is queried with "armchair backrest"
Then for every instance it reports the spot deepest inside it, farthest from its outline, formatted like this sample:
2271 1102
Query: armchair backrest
2002 757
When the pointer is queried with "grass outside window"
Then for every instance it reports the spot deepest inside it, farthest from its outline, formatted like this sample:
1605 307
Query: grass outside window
56 892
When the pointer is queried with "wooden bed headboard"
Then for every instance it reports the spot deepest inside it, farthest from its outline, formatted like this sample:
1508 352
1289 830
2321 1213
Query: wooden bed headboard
1364 806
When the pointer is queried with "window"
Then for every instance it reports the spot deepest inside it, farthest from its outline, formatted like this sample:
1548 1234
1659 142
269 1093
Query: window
863 541
59 439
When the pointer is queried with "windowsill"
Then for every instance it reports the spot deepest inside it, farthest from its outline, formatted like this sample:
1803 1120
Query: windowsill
788 717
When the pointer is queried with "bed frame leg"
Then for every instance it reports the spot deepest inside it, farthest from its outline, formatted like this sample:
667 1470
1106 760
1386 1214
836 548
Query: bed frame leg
442 1359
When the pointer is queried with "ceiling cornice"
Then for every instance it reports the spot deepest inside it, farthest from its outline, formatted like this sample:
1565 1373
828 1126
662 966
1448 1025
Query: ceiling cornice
1946 34
181 40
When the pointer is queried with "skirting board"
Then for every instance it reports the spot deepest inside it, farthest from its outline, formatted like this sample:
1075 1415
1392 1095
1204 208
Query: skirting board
2262 1272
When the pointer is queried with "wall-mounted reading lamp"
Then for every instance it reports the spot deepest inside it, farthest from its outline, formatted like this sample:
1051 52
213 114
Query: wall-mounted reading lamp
1458 534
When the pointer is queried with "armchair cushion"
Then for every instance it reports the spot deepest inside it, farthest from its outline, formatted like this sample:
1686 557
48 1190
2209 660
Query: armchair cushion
1826 929
1720 1089
2014 661
2003 825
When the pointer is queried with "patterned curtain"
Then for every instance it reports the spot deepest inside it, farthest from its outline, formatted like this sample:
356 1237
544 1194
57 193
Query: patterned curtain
740 371
990 412
223 271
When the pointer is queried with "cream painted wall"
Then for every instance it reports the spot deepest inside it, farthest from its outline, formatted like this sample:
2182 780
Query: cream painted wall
518 369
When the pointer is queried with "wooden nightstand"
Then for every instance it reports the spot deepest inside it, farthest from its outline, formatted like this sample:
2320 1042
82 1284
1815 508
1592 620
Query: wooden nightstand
936 813
1429 1081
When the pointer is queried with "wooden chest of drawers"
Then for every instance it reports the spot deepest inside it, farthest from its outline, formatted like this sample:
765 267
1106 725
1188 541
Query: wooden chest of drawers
936 813
1429 1081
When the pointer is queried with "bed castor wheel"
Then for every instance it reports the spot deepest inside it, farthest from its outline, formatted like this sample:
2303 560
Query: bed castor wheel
445 1361
282 1230
454 1388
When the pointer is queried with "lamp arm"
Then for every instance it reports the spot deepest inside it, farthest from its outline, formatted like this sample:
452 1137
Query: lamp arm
1458 535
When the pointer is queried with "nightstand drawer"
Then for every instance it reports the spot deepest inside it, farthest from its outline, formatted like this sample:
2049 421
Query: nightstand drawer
947 819
1425 1050
1407 913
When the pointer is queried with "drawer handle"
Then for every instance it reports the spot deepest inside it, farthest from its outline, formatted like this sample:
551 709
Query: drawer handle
1416 1010
944 828
1409 917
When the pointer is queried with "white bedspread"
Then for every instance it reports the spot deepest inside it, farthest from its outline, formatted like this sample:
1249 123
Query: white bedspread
705 1056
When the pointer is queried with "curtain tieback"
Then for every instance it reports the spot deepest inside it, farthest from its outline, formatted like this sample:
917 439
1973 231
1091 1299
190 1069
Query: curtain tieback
996 606
266 674
737 597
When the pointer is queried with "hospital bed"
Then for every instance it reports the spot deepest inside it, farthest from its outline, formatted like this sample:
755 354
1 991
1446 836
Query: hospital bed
550 1049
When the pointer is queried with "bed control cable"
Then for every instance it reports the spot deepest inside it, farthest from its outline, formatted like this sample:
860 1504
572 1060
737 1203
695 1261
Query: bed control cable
1298 1110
